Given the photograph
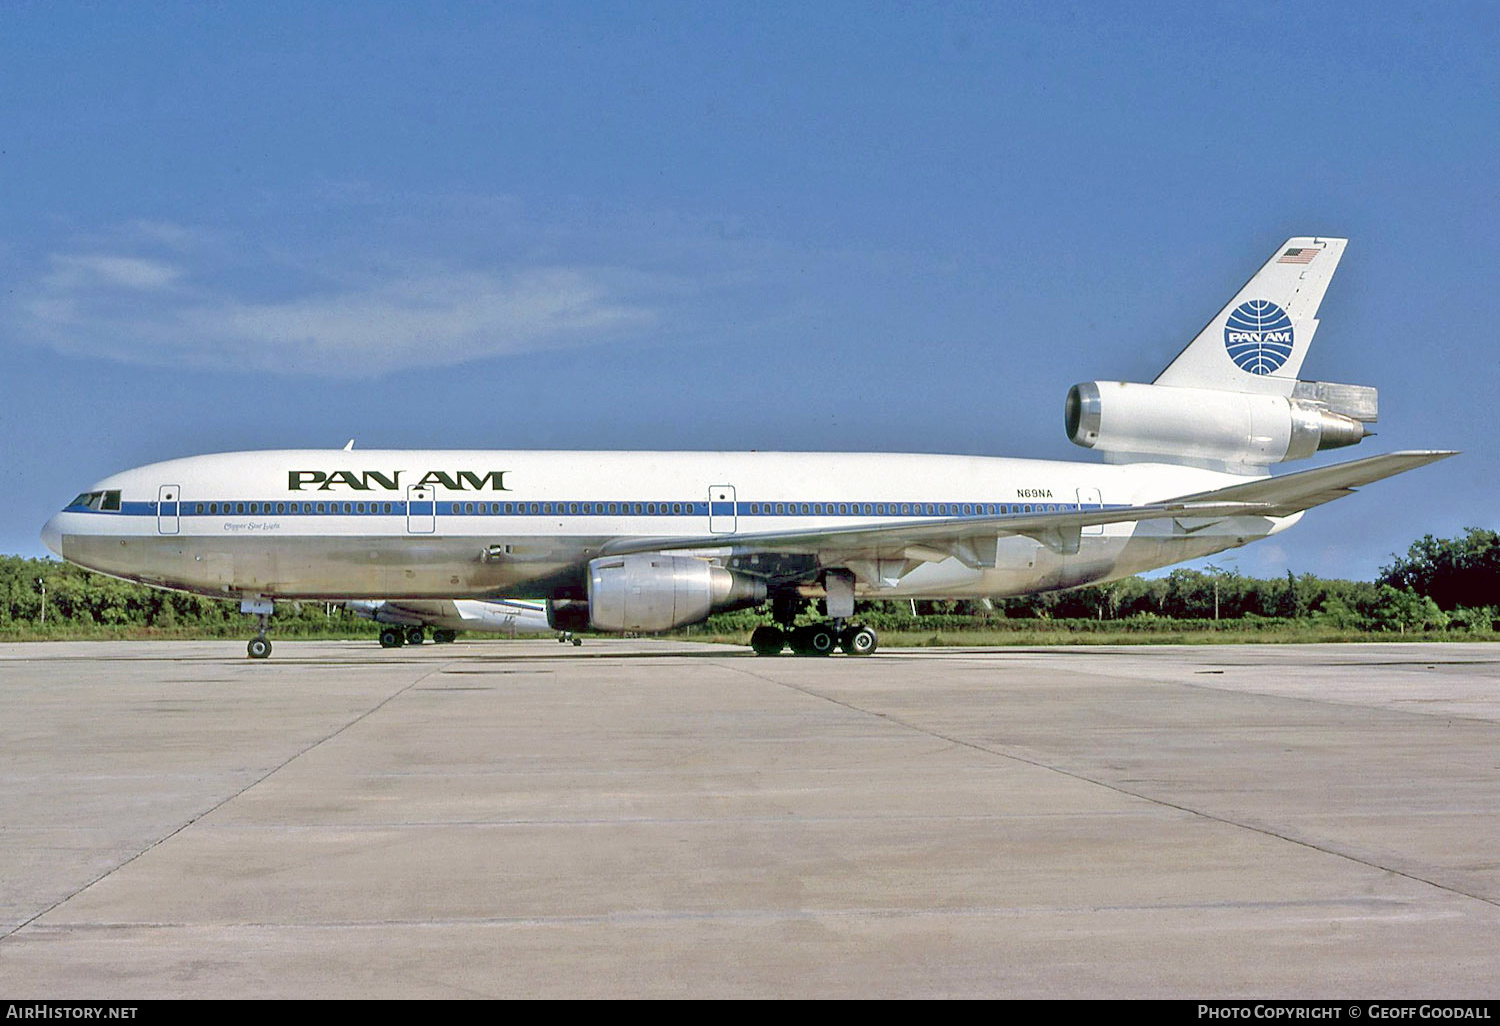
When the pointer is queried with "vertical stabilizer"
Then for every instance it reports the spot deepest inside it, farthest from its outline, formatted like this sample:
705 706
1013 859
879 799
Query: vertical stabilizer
1257 343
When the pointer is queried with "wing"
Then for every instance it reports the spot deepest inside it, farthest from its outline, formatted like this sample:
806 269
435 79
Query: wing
966 537
1291 493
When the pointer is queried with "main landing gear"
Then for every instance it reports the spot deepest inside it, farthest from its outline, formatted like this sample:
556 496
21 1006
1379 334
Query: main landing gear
563 637
395 637
815 639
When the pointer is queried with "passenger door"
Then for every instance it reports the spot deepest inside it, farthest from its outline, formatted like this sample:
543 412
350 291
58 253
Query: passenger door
722 512
421 510
168 505
1089 499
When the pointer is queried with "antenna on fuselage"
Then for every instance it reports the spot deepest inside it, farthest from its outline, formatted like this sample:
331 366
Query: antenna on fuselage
349 446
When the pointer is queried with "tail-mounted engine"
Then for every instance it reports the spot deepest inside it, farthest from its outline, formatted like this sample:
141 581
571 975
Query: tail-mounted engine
656 592
1214 427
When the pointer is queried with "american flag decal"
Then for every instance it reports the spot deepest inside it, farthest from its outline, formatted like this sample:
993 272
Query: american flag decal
1298 256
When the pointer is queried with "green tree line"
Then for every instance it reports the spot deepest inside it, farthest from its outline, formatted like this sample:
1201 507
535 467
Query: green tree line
79 601
1440 584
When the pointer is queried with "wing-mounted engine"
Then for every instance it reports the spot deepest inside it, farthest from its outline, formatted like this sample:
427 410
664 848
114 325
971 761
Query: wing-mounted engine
656 592
1214 427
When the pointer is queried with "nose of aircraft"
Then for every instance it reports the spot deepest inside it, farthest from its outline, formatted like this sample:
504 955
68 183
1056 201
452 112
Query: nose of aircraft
52 535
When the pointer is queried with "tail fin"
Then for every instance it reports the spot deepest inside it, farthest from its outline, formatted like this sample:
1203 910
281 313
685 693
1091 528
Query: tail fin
1257 343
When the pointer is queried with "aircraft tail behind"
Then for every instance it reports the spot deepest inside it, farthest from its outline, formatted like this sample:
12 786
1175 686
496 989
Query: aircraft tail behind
1258 341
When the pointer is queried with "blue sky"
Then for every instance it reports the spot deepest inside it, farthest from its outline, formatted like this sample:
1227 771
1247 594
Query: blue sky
876 226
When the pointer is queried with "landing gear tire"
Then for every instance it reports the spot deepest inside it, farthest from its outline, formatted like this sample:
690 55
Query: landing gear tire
443 636
859 641
414 636
391 637
814 640
768 641
260 645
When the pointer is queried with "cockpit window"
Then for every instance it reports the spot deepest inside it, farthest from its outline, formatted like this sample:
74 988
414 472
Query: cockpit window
108 502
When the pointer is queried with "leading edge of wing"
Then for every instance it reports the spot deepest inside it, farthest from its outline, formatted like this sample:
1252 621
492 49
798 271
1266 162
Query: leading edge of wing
1291 493
1265 497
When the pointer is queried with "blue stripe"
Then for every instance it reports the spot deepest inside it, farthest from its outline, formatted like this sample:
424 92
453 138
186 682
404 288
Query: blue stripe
593 508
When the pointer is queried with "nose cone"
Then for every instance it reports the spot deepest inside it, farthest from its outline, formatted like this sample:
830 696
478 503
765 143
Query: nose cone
52 535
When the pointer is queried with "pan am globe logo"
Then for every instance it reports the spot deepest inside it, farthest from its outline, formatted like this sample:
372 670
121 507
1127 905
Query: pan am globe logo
1258 336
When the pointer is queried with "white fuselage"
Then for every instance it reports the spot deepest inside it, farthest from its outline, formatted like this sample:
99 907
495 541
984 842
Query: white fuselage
317 524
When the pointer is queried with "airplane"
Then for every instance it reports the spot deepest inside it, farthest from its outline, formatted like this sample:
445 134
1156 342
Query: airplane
406 619
650 541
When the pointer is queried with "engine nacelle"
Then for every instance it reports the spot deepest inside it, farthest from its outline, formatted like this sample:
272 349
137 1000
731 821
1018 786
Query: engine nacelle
1203 425
656 592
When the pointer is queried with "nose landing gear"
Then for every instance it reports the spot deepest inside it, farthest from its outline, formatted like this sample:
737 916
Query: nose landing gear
260 645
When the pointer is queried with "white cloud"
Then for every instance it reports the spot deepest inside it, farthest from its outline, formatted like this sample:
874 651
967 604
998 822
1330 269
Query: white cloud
355 282
141 310
105 271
